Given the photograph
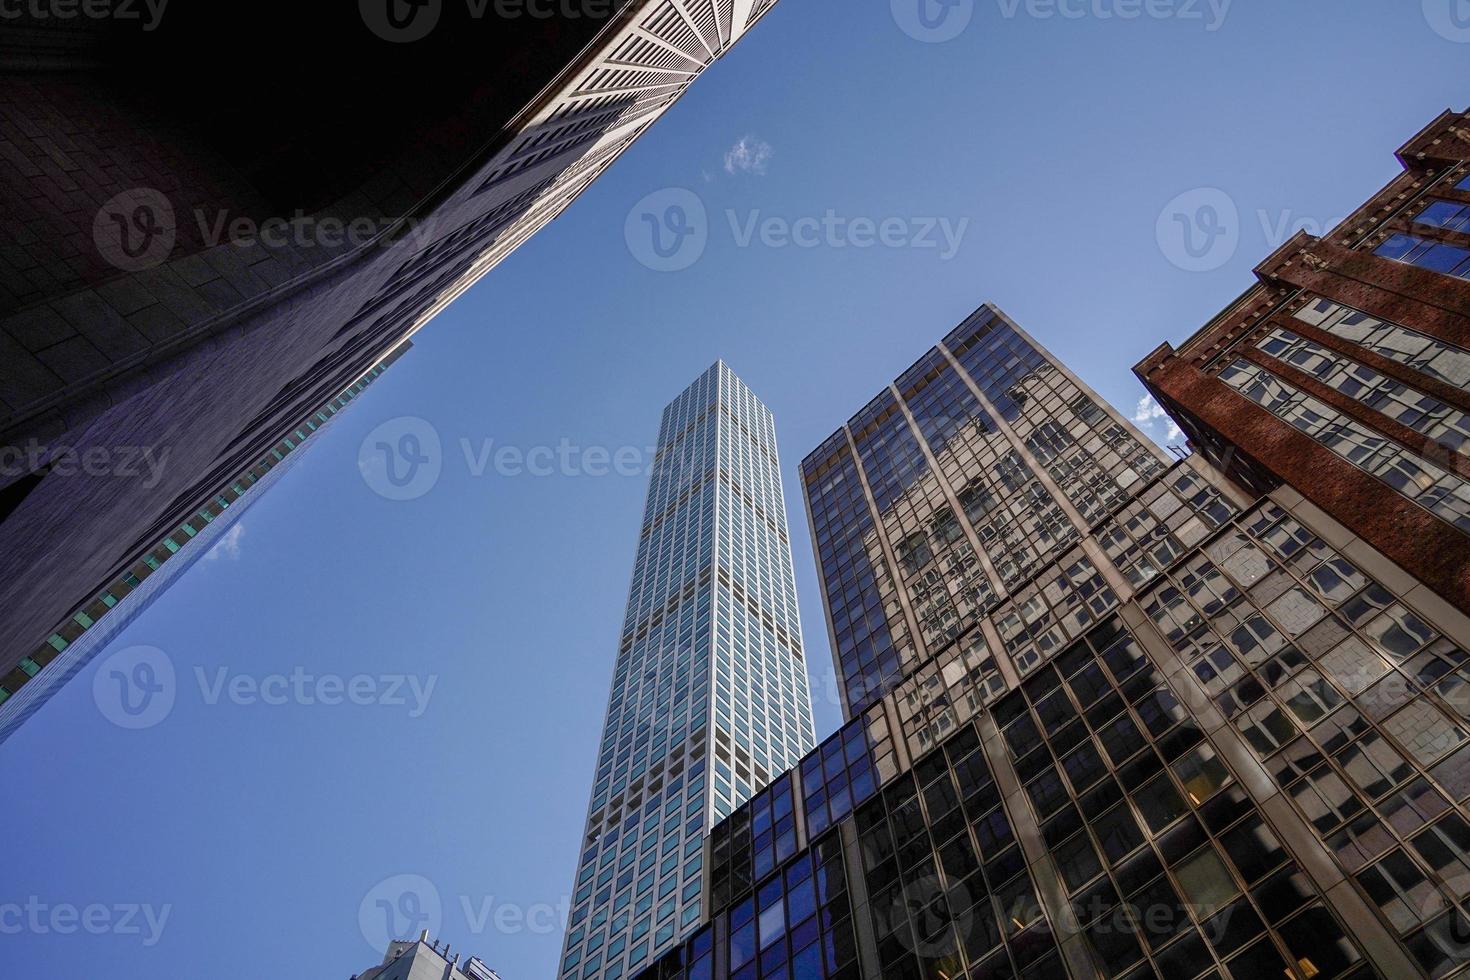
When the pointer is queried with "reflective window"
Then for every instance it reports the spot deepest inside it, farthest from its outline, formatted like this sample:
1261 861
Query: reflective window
1445 424
1442 493
1446 215
1416 350
948 887
1162 854
1351 701
1450 260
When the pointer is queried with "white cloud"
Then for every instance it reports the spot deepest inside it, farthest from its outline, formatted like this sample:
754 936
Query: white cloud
229 545
750 155
1149 412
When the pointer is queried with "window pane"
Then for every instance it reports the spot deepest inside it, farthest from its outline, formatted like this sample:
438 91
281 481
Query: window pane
1159 802
1206 883
1202 774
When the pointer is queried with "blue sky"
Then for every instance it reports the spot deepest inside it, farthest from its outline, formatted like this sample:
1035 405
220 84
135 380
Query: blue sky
1059 149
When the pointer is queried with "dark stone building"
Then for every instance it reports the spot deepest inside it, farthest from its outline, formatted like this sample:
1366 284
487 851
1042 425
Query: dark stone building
215 219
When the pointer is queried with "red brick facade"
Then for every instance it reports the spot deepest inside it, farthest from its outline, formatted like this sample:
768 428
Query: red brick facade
1259 449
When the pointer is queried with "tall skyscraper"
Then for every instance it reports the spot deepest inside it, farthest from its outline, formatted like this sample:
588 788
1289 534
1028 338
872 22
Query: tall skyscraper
709 698
1110 714
192 261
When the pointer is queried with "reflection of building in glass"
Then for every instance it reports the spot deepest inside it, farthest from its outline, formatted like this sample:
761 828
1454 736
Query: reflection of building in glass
709 698
988 462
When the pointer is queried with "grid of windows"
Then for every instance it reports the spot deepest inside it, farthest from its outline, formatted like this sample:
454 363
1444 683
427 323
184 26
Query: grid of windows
1162 856
946 582
942 576
890 454
1168 519
1439 491
1098 463
1356 707
1421 352
711 633
658 701
1014 517
833 778
759 837
945 880
798 926
948 885
659 844
837 777
946 474
944 694
1056 608
1443 424
867 619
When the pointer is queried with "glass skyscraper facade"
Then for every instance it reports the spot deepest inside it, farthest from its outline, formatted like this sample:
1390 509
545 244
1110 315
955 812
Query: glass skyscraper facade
952 490
1109 715
709 698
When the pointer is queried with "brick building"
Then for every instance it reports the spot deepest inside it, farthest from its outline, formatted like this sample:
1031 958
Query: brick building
1344 373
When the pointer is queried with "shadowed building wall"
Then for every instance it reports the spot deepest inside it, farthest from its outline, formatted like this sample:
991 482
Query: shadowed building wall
213 223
